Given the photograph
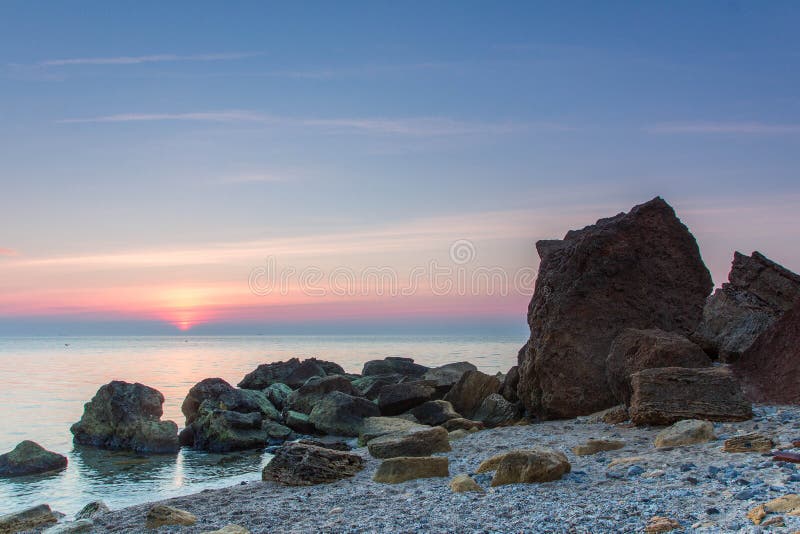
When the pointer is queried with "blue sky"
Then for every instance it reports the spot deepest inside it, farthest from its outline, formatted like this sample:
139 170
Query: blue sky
155 127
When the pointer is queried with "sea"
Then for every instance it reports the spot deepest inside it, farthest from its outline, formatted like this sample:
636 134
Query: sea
45 381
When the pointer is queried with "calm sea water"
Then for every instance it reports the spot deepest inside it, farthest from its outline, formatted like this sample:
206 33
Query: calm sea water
44 383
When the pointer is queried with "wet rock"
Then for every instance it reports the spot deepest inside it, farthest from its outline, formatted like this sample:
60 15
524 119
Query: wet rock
686 432
92 510
313 391
634 350
637 270
463 484
470 391
752 442
30 458
398 398
278 394
435 412
375 427
341 414
446 376
770 369
495 411
296 464
125 416
394 365
410 443
669 394
462 424
538 464
401 469
30 518
758 292
593 446
299 422
661 524
161 515
510 384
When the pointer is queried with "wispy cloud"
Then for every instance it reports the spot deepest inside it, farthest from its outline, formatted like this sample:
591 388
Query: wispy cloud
135 60
752 128
413 126
8 252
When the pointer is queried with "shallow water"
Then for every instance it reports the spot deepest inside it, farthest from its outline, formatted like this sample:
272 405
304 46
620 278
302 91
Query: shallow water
45 381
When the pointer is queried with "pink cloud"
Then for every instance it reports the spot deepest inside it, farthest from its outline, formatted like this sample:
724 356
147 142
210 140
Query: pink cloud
8 252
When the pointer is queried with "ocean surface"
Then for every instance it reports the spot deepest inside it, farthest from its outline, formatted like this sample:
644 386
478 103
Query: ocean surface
44 382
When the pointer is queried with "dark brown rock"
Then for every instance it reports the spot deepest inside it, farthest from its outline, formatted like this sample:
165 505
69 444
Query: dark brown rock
313 391
751 442
267 374
640 269
468 393
770 369
398 398
758 292
665 395
296 464
30 458
434 412
635 350
370 386
446 376
394 365
785 456
412 443
510 384
341 414
462 424
495 410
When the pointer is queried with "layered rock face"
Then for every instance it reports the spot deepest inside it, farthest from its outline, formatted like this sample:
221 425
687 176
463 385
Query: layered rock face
770 369
758 292
126 416
640 269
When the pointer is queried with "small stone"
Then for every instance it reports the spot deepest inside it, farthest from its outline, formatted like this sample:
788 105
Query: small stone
626 460
757 514
464 483
593 446
746 495
336 510
752 442
634 471
230 529
655 473
785 456
776 521
661 524
401 469
686 432
538 464
161 515
785 504
712 511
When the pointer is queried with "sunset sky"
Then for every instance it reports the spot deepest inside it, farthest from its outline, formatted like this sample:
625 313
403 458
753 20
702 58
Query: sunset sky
156 158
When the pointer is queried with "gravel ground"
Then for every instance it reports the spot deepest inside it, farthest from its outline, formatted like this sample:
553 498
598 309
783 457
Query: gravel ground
703 488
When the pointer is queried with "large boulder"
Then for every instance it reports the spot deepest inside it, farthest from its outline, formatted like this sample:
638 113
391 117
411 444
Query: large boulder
313 391
375 427
666 395
341 414
292 372
634 350
398 398
770 368
758 292
537 464
510 384
447 375
296 464
434 412
371 386
226 397
470 391
394 365
401 469
685 432
640 269
124 416
278 394
495 410
411 443
30 458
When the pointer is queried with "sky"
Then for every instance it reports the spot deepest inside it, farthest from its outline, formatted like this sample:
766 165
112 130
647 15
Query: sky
357 167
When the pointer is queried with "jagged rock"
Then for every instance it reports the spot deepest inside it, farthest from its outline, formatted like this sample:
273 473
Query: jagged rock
462 424
161 515
394 365
398 398
538 464
668 394
341 414
30 458
495 410
370 386
463 484
510 384
267 374
278 394
685 432
752 442
593 446
401 469
92 510
299 422
758 292
71 527
375 427
125 416
307 369
223 396
410 443
470 391
434 412
634 350
296 464
770 369
637 270
30 518
446 376
313 391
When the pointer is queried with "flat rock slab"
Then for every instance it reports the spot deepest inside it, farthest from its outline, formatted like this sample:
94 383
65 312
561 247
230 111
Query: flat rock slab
401 469
593 446
296 464
415 443
752 442
375 427
669 394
